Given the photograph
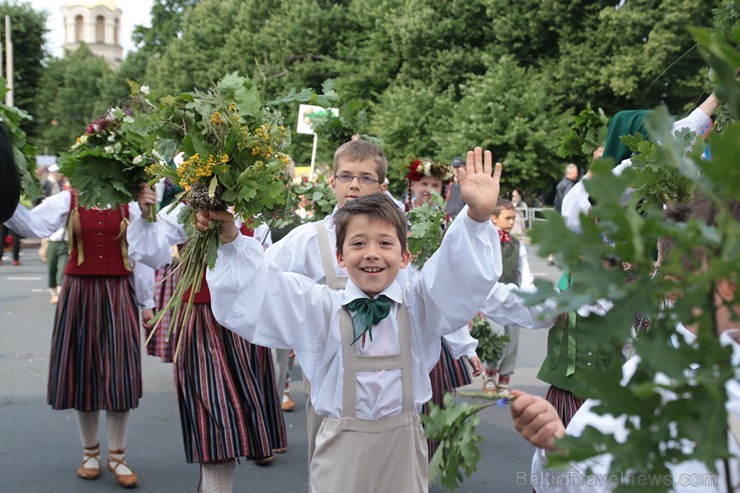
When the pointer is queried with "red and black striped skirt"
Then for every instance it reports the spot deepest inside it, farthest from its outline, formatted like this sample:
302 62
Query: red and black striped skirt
158 345
229 405
95 361
565 402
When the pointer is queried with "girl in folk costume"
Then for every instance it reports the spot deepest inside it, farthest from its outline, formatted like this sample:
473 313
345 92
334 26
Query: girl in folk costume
450 371
227 397
95 361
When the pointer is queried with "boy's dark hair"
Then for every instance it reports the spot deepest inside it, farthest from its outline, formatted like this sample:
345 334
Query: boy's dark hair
362 150
503 205
375 206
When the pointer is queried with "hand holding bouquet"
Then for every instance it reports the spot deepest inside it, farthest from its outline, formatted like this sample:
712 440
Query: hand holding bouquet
234 157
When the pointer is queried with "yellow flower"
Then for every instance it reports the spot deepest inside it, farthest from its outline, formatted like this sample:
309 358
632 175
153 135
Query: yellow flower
217 119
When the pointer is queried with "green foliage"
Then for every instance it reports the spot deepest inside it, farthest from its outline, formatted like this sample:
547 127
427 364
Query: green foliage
107 163
319 198
73 91
490 345
453 427
337 130
588 132
167 16
433 77
427 229
695 373
657 184
28 28
234 147
11 119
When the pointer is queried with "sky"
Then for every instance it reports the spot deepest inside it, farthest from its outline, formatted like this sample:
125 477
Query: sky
134 12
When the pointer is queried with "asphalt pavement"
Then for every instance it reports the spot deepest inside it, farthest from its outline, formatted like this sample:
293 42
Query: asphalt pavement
41 449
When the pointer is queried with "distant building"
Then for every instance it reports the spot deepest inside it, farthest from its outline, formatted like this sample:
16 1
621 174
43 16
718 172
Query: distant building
97 23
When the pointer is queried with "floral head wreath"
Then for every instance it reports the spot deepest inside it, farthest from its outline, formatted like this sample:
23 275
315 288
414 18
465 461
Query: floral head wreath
418 169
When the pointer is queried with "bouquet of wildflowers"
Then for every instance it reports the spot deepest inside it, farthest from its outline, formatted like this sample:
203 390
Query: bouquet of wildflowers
106 163
235 158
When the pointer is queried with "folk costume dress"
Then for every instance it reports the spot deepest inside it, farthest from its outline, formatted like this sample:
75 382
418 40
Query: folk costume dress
248 297
95 361
229 406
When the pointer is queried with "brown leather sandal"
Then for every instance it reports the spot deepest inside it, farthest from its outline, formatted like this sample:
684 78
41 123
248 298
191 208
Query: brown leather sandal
125 480
92 453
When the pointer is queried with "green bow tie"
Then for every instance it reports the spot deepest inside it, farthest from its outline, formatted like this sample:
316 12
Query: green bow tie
367 313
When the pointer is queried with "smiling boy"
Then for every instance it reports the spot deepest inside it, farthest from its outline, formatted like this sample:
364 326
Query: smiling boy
371 438
359 169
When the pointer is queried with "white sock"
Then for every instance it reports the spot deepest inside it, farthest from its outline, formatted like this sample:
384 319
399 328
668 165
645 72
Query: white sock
117 423
87 425
218 478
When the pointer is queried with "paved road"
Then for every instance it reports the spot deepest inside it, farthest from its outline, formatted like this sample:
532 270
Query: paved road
41 450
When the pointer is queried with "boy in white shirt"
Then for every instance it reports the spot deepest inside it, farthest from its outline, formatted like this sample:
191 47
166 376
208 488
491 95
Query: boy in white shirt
371 438
359 169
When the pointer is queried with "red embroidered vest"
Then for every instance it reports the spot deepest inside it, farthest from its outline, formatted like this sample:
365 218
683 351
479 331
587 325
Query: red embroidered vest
204 295
97 241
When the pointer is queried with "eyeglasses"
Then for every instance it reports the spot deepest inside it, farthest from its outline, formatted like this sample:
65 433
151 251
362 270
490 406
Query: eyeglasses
364 179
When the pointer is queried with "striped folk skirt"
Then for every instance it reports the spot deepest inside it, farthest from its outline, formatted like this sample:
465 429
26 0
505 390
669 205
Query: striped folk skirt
565 402
447 375
158 345
229 405
95 361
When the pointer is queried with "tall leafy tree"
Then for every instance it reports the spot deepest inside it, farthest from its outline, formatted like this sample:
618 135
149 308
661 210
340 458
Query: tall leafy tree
28 27
532 63
192 60
167 20
74 90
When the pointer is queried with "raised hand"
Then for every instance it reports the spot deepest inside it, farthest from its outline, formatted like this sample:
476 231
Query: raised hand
478 187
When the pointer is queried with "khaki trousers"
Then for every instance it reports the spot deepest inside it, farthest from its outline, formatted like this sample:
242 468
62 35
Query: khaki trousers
360 456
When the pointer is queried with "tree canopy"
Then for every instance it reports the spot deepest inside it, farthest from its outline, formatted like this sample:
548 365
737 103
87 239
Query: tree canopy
28 27
438 77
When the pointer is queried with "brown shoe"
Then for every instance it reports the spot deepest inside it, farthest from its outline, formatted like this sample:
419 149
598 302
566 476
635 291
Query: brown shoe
288 403
126 480
265 461
90 454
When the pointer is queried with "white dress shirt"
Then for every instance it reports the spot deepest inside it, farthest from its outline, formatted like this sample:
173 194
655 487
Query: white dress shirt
299 252
260 302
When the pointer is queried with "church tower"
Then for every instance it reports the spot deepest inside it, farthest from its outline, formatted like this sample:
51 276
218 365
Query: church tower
97 23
